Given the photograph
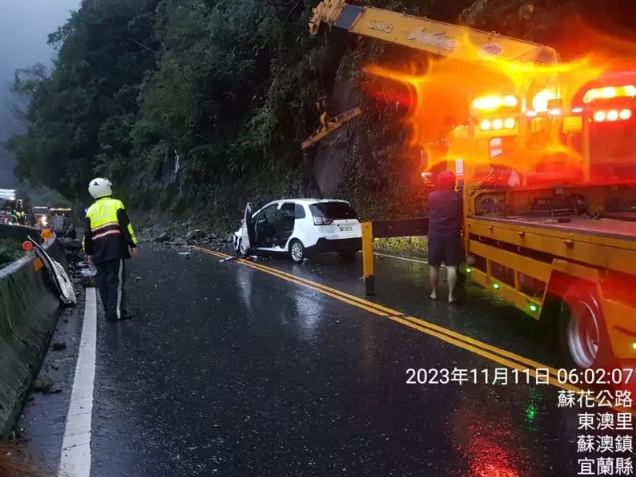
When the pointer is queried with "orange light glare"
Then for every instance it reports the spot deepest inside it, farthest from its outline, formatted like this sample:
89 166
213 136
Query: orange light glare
613 115
542 98
497 124
627 91
491 103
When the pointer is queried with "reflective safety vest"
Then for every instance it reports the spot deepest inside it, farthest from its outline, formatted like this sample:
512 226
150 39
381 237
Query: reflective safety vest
108 231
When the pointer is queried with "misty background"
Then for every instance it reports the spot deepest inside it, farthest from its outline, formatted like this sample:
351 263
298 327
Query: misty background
24 29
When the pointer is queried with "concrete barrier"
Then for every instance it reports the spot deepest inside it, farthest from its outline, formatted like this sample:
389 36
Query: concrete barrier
28 316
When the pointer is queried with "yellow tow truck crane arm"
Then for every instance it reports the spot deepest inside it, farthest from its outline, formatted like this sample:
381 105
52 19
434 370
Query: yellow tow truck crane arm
427 35
453 41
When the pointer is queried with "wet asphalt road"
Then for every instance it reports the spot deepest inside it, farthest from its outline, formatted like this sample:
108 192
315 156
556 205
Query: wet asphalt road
227 370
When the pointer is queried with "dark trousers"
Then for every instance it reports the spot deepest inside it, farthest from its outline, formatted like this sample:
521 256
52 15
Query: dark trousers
111 278
448 251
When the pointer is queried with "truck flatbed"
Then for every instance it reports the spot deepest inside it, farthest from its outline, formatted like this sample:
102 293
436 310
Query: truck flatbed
610 228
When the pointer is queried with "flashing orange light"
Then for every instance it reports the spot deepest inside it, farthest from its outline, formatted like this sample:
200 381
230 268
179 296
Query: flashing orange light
613 115
542 99
497 124
627 91
46 234
492 103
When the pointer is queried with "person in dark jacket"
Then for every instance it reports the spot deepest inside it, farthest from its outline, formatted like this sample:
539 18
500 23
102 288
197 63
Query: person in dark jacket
444 244
109 240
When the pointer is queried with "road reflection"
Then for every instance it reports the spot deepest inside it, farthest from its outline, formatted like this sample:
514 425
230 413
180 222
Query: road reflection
244 277
501 429
309 309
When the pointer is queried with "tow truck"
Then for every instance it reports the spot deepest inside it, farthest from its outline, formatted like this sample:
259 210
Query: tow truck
548 176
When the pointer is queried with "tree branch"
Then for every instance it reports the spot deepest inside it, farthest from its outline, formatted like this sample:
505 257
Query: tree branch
146 47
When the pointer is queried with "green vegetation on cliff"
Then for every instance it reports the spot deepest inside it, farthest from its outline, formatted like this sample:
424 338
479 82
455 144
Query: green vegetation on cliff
226 89
229 86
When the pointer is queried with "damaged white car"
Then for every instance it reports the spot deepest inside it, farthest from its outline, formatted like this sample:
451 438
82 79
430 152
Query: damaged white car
300 228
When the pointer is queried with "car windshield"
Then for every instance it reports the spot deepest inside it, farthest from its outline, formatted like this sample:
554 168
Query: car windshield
333 210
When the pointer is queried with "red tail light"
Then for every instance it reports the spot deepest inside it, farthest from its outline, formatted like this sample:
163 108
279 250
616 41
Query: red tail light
322 221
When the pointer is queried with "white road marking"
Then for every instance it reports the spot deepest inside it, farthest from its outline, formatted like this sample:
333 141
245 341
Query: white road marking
76 446
401 258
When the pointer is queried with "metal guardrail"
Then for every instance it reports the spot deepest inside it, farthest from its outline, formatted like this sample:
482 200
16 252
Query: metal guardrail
417 227
19 233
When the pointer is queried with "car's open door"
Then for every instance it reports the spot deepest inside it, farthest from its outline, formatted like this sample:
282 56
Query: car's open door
247 227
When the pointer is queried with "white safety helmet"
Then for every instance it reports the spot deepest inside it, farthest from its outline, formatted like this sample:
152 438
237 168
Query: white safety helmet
100 187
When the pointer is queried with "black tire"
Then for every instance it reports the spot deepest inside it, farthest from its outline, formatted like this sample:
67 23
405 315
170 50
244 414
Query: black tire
296 251
348 255
578 338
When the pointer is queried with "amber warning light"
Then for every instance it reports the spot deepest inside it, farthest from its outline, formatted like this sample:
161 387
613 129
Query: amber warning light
627 91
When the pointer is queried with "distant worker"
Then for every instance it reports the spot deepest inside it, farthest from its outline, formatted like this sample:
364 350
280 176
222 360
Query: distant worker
109 240
445 221
13 218
19 213
30 217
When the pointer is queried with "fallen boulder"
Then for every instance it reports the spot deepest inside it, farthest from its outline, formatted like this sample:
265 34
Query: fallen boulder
195 235
164 237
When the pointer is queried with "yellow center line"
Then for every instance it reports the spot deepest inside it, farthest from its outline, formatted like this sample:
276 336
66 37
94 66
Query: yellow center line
389 311
492 353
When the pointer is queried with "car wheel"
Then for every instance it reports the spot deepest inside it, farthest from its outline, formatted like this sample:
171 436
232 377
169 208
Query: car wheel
348 255
296 251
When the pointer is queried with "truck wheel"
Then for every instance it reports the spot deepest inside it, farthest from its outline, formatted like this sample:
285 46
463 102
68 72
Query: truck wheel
582 331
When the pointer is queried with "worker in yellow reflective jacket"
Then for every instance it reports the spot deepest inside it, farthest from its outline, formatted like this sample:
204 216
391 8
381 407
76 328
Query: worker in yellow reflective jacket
109 240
